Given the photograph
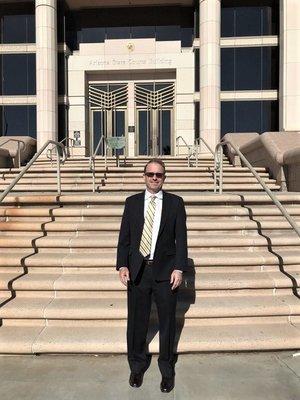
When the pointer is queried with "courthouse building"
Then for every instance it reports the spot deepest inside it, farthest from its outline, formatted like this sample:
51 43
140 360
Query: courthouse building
149 70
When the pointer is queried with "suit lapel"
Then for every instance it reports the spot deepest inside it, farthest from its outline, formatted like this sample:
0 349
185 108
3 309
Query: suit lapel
164 212
140 211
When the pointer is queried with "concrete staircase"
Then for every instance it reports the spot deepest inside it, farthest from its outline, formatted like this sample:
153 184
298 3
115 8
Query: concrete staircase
59 289
77 177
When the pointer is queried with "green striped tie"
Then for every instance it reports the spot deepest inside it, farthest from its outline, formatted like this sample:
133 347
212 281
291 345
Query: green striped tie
146 240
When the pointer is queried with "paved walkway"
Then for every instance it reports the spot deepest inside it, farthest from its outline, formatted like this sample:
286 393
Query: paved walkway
242 376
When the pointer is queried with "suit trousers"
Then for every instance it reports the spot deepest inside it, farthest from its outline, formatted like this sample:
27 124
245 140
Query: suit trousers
139 296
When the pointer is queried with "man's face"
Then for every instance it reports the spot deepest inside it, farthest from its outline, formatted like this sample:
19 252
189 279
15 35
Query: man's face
154 182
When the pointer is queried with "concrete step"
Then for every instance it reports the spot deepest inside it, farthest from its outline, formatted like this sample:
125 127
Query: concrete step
203 279
115 216
190 198
117 211
122 180
96 306
87 187
202 224
105 258
99 175
99 337
101 168
109 240
138 159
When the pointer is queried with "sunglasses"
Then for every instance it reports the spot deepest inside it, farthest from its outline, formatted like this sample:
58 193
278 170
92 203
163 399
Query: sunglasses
158 175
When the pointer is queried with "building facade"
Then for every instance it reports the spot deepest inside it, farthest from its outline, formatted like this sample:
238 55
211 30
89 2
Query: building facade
152 71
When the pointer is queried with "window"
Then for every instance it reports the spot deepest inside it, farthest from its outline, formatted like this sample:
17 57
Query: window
249 17
160 23
250 68
167 32
140 32
91 35
62 121
17 23
18 121
249 116
61 64
187 35
118 32
197 69
18 74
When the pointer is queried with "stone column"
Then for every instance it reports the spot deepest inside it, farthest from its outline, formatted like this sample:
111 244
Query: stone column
46 70
210 104
289 94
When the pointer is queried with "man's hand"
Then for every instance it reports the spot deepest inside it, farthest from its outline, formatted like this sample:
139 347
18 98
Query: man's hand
124 275
176 279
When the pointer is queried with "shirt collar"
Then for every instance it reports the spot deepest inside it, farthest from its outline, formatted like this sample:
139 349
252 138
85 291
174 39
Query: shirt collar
159 194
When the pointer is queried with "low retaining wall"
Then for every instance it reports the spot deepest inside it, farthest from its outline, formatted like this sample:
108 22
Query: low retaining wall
27 146
278 152
291 160
268 150
238 140
5 159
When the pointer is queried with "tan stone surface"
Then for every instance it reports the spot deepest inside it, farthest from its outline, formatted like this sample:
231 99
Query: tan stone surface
36 281
18 340
242 291
210 338
5 278
26 307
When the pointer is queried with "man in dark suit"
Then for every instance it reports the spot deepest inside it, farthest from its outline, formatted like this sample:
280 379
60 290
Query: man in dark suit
152 254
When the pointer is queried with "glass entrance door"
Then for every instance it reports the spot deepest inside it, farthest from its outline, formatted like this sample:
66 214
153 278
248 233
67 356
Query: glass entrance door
107 124
154 131
108 108
155 121
99 130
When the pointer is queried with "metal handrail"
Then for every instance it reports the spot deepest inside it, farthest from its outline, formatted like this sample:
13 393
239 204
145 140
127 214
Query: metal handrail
197 145
18 151
184 141
219 171
200 139
49 151
34 158
188 146
193 149
93 158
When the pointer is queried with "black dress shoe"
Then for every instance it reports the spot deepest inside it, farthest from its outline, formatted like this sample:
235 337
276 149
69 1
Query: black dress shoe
167 384
136 380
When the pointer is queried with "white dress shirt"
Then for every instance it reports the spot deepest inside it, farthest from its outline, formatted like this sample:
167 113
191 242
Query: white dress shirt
157 216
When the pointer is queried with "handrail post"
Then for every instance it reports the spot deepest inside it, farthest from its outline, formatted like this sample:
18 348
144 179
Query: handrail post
94 175
215 174
58 172
221 169
19 156
216 171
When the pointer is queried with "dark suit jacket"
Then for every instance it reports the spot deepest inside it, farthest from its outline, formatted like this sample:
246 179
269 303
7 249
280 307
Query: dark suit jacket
171 246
